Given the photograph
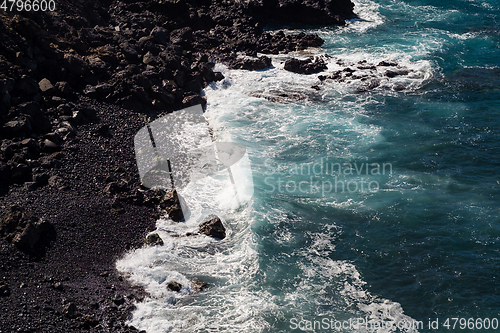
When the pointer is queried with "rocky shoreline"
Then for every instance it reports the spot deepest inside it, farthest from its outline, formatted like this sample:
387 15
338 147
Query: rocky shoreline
76 85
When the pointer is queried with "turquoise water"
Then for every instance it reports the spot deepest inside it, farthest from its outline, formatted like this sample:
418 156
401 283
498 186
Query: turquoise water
410 233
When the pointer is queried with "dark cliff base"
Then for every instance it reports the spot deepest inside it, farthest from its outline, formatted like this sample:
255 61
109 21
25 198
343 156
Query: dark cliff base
75 87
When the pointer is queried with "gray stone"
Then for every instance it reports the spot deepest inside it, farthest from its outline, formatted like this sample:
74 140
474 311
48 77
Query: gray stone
46 86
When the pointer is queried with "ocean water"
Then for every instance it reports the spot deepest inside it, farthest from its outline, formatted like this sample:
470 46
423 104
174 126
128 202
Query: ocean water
376 208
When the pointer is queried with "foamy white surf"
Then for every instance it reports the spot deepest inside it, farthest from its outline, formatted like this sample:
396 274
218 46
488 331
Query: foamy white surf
242 108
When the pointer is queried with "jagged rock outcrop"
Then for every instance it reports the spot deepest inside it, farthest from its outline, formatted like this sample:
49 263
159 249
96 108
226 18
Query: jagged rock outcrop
212 226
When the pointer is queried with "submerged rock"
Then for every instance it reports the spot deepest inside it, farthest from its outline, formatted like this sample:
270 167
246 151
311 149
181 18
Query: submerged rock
174 286
212 226
198 285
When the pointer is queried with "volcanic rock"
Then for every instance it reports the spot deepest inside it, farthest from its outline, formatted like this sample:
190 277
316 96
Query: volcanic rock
307 66
212 226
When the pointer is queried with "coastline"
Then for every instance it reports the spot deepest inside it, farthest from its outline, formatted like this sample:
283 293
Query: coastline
80 129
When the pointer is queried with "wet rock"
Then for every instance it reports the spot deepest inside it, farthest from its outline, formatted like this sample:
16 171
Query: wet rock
153 240
193 100
171 203
174 286
22 228
387 64
307 66
198 285
391 74
212 226
259 63
218 76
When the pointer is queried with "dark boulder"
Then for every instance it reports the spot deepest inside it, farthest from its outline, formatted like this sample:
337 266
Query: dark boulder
75 64
160 35
387 64
129 51
4 171
116 187
252 64
28 88
212 226
171 203
70 310
192 100
23 229
391 74
174 286
183 36
64 89
20 172
307 66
